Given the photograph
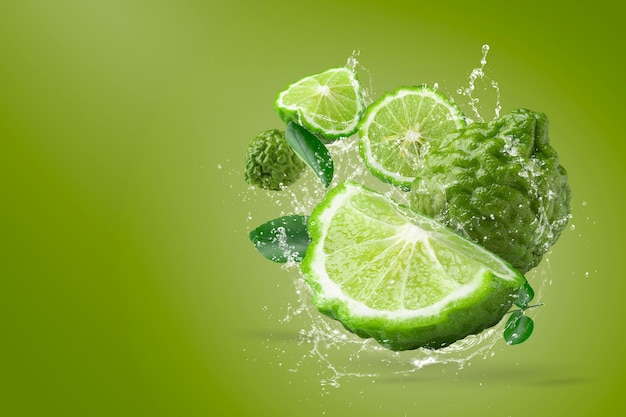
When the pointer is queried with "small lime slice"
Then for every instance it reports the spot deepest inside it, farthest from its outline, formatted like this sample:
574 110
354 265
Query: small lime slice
329 104
397 128
403 279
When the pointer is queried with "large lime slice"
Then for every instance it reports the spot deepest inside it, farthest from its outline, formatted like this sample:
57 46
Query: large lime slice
389 273
329 104
400 126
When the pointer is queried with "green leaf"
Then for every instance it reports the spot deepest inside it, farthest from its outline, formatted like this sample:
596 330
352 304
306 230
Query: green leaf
524 296
518 328
312 151
284 239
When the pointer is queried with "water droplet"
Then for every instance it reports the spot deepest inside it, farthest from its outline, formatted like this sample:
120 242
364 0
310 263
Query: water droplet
353 59
479 74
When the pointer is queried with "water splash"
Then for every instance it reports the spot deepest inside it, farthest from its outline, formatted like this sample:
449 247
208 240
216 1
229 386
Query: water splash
339 354
353 60
365 77
478 74
342 356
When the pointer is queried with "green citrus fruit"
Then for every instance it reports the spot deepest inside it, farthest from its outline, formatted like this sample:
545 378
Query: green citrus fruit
271 164
500 185
399 277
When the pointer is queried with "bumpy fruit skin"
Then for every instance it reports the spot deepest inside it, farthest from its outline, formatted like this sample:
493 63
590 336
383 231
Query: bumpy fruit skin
499 184
271 164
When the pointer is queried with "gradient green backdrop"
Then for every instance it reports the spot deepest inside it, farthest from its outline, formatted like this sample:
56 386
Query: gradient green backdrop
128 285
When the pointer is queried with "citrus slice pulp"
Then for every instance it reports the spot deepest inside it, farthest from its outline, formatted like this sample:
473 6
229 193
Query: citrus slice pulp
397 128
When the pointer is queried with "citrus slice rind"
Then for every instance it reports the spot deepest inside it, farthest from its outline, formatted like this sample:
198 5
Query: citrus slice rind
400 126
388 273
329 104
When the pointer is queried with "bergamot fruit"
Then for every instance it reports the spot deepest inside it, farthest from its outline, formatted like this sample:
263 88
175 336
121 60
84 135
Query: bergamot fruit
499 184
389 273
271 164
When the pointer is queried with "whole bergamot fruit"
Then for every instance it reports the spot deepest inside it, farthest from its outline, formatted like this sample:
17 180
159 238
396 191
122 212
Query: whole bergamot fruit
271 164
499 184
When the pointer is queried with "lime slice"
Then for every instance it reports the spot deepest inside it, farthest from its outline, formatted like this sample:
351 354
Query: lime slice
400 126
329 104
403 279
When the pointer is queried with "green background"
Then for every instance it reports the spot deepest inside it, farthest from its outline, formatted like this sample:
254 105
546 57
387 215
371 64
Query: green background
129 287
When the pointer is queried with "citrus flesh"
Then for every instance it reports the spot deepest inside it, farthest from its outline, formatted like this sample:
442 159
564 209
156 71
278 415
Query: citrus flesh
400 126
329 104
401 278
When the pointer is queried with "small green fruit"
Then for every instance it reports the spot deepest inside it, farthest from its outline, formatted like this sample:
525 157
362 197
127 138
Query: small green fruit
271 164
